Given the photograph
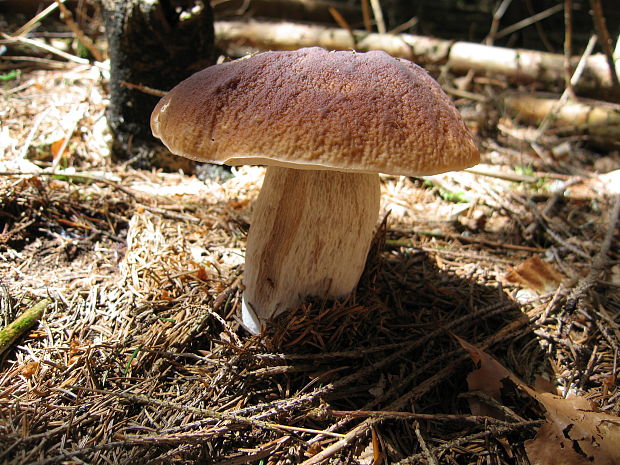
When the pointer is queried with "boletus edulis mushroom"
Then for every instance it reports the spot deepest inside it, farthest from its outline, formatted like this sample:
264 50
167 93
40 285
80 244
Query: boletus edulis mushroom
325 124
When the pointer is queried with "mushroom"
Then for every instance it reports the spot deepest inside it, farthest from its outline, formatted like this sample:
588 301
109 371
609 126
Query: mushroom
325 124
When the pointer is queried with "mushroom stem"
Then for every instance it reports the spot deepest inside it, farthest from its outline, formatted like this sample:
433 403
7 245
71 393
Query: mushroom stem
310 236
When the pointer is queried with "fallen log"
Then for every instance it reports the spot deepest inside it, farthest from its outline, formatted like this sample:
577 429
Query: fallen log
518 65
598 120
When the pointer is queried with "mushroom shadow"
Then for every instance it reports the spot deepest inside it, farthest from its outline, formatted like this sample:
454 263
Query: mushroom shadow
390 346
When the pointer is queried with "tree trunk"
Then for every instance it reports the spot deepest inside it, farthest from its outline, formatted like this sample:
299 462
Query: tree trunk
154 44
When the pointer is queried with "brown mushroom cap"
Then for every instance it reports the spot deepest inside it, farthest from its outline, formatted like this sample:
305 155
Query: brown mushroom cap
314 109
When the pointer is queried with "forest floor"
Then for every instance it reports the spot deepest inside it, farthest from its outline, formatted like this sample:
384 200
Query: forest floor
485 329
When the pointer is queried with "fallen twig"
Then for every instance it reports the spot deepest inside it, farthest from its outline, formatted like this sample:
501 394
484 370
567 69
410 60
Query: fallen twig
568 45
552 113
397 415
534 19
88 43
222 416
428 454
497 17
506 176
74 176
604 39
144 89
87 177
378 14
46 47
34 22
366 15
17 328
498 431
468 240
556 196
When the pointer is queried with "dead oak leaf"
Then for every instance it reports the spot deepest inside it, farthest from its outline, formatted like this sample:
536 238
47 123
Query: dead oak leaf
550 448
488 377
535 274
489 373
575 434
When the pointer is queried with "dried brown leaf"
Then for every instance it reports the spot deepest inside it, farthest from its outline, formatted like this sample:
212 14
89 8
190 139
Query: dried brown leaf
488 377
535 274
550 448
544 385
489 373
29 369
575 434
56 146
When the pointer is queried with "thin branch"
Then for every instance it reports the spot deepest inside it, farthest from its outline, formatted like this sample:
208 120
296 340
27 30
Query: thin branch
144 89
378 13
569 90
568 45
74 176
34 22
428 454
528 21
283 429
397 415
393 243
604 39
505 176
495 432
366 16
67 17
557 195
411 22
46 47
539 29
342 22
497 17
82 177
